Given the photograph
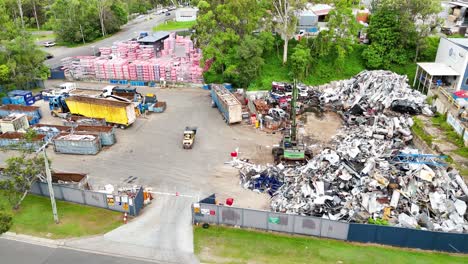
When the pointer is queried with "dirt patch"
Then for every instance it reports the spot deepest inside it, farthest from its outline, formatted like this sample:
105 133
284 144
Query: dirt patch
207 256
319 128
227 186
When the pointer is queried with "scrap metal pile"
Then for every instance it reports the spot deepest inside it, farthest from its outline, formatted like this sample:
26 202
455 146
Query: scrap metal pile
359 177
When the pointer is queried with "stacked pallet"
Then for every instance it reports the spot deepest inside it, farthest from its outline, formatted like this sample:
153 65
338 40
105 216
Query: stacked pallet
105 51
132 61
80 67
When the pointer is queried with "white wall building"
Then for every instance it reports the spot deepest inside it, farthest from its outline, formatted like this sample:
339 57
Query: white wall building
186 14
450 66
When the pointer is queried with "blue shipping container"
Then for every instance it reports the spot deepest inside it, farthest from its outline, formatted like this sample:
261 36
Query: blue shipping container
23 93
30 101
6 100
17 100
38 97
228 86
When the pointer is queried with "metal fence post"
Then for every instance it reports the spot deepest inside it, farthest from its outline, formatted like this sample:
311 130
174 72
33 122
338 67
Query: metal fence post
242 217
105 200
267 218
40 188
61 192
217 214
84 197
320 228
293 224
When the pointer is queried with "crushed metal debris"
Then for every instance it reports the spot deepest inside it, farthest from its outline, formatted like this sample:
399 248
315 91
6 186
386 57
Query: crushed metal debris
358 178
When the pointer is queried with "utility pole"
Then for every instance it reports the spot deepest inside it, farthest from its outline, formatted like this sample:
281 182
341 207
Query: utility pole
293 111
49 183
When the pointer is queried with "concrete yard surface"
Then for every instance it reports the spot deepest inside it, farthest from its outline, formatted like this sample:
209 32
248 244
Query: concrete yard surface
162 232
151 149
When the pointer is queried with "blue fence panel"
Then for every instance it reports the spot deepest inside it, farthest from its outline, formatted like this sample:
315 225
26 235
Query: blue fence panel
362 233
420 239
411 238
138 203
391 236
57 75
451 242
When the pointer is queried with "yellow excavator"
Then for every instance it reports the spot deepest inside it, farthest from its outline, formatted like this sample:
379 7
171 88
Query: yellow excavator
189 137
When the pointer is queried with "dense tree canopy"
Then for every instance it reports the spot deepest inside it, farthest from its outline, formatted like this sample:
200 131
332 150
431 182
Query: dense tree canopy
20 59
398 30
85 20
224 31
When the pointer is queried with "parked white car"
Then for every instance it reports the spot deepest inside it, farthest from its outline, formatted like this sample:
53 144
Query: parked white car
277 113
49 44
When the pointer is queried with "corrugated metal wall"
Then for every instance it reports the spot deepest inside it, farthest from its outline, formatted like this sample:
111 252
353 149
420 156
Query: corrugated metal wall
90 198
307 225
265 220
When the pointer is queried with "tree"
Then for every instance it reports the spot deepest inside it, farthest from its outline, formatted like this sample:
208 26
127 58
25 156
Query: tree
6 220
398 30
342 33
4 74
424 14
80 20
250 59
22 171
221 27
300 61
285 15
390 35
20 58
20 8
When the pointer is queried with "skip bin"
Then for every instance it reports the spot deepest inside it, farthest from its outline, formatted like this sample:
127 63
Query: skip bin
16 140
50 131
31 111
106 133
77 143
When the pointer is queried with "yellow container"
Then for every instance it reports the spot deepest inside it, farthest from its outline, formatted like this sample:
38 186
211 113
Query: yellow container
115 112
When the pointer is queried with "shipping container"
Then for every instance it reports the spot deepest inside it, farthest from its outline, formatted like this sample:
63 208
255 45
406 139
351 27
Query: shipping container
106 133
77 143
50 131
14 123
227 104
17 100
6 100
31 111
72 180
16 140
25 94
115 112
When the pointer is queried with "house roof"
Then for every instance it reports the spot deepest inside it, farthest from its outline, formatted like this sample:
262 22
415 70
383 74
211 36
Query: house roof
307 13
321 9
456 3
155 37
463 42
437 69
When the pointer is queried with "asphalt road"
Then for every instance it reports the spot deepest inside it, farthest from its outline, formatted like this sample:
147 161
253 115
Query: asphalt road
127 32
25 253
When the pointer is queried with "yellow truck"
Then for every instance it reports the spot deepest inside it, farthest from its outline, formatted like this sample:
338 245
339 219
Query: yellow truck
117 113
